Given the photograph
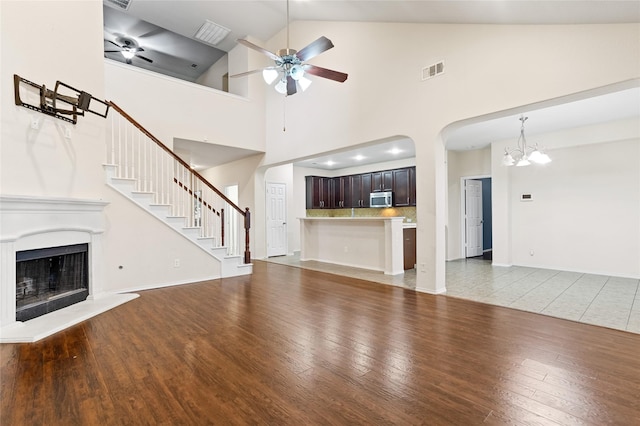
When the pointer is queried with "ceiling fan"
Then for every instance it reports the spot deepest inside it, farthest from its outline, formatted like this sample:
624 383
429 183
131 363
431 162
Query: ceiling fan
129 50
290 66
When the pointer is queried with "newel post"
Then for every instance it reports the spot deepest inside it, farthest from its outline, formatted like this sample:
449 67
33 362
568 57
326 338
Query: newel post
247 226
222 227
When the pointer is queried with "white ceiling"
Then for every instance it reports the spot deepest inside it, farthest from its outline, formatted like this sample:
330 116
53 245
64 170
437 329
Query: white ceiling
166 29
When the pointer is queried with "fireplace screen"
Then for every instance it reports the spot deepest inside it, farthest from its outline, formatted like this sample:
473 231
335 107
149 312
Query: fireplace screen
50 279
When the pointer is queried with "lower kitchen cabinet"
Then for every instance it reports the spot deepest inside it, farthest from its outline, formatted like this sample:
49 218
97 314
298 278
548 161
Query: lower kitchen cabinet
409 239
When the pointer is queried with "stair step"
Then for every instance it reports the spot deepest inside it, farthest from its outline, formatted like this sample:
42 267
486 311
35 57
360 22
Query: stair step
176 222
191 231
160 210
143 197
124 185
206 242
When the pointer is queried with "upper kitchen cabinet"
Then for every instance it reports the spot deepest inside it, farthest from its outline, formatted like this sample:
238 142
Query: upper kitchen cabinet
318 192
404 187
382 181
360 190
342 192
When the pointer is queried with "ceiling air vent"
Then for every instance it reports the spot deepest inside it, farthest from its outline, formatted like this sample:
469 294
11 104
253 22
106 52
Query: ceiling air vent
432 70
211 33
120 4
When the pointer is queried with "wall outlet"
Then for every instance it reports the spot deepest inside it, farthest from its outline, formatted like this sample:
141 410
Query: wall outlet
176 263
531 253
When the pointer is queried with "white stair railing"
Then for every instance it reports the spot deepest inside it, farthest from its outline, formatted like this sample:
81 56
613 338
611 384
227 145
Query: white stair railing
140 156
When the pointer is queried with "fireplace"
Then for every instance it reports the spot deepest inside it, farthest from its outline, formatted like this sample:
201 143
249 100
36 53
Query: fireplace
50 255
49 279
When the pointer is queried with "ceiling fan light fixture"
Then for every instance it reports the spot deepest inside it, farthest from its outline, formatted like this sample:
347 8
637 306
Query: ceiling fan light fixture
128 53
281 86
296 72
304 83
269 75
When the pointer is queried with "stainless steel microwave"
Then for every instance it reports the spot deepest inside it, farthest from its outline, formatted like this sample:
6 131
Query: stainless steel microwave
381 199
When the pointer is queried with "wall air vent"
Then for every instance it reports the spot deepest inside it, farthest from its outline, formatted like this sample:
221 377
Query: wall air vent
211 33
120 4
432 70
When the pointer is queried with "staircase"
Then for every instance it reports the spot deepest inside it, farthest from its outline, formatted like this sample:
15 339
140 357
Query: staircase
149 174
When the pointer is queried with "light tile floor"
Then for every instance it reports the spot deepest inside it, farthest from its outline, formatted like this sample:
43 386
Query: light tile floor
605 301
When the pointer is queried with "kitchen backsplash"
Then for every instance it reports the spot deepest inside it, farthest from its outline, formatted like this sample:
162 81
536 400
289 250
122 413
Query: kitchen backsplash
409 213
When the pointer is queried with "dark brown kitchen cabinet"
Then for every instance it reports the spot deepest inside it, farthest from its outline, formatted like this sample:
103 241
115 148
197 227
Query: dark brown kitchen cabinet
318 192
342 190
360 190
404 187
382 181
409 237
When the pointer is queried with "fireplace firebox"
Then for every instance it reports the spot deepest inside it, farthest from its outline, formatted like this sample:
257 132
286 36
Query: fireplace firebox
49 279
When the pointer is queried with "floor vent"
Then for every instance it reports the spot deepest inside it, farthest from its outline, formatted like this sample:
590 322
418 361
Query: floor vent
432 70
120 4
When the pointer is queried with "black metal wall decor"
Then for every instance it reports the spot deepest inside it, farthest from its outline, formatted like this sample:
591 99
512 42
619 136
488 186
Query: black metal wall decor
78 100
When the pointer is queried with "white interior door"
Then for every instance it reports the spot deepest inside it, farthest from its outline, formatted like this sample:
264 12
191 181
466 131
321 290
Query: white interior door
276 219
473 217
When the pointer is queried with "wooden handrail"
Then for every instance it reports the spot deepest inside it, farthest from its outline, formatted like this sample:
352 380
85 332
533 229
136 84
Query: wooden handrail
175 157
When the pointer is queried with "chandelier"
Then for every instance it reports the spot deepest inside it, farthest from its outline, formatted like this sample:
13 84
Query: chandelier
523 154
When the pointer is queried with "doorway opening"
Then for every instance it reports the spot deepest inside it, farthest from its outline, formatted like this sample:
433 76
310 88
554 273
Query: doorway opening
476 217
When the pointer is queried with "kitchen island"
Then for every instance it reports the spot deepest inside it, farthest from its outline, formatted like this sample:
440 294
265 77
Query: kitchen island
362 242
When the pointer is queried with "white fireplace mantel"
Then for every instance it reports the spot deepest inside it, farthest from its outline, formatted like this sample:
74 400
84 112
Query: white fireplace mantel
30 222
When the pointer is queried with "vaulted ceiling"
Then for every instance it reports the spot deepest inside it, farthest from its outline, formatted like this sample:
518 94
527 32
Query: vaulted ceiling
166 31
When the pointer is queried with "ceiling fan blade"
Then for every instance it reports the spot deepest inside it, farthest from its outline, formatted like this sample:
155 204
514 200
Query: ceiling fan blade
115 44
242 74
258 48
144 59
112 51
314 49
325 73
139 49
291 86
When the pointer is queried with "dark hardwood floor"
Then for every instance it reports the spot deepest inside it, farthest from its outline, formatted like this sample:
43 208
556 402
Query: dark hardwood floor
289 346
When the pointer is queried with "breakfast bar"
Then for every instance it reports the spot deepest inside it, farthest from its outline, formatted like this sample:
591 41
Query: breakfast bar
374 243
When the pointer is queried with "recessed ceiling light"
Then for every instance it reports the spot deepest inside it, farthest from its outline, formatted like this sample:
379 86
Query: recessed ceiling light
330 163
394 151
359 157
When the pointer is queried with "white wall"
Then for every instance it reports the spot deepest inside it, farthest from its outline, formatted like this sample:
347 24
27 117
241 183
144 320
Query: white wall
170 108
585 215
213 77
42 161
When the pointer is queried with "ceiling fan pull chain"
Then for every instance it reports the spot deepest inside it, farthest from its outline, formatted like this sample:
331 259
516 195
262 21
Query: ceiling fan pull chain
284 113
